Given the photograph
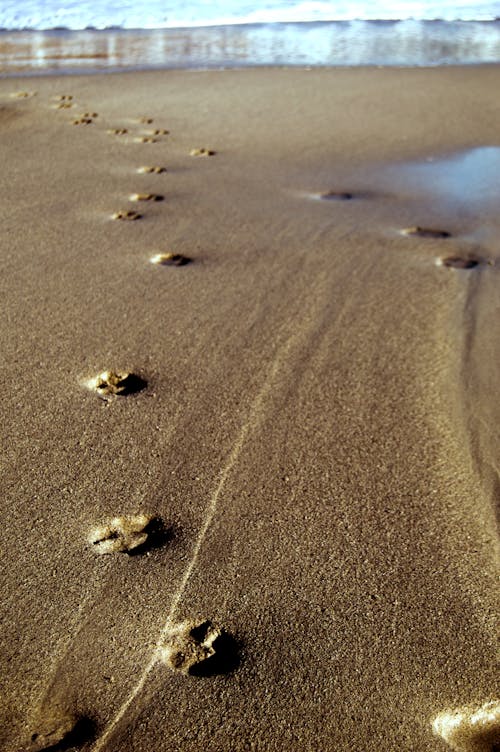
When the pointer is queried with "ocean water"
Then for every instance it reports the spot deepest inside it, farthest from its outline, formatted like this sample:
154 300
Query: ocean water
155 14
58 36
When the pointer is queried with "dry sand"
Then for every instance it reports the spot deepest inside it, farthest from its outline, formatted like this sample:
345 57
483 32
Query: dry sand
312 466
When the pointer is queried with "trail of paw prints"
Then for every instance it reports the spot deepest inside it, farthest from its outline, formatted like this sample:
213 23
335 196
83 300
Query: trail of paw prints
139 135
66 102
132 132
194 648
54 725
462 261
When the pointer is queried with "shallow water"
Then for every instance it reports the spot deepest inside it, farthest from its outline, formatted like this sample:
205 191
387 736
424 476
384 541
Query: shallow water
469 177
464 180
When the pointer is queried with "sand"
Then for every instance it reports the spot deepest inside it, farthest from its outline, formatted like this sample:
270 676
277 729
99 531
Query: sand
250 409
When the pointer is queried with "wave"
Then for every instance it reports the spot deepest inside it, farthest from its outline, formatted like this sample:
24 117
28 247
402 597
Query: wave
408 43
163 14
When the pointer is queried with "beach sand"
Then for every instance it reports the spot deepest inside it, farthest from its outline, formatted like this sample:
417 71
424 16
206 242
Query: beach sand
282 534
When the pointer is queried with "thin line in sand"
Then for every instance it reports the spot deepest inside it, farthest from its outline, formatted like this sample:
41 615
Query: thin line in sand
78 623
207 521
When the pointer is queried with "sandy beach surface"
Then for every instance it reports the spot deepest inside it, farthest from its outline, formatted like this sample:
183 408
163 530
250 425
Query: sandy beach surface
279 533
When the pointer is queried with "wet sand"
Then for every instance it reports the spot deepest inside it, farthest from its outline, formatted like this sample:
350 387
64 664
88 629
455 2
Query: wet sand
250 410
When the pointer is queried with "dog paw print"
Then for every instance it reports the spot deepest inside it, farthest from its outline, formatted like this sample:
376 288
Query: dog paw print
121 534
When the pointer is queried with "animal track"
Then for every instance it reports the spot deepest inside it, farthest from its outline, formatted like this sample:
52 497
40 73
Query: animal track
83 121
117 131
470 729
188 644
61 732
121 534
336 196
23 94
111 383
64 106
52 732
425 232
64 97
199 649
170 259
148 169
145 197
202 152
159 132
146 120
126 216
459 262
90 115
145 140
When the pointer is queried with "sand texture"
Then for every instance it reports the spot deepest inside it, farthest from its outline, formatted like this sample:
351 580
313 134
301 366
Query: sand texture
250 411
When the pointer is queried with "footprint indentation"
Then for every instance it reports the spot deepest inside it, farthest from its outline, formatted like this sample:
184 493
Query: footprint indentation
117 131
61 732
146 120
170 259
83 121
64 106
126 216
52 732
460 262
90 115
64 97
426 232
159 132
145 197
202 152
188 644
470 729
145 140
150 169
122 534
336 196
111 383
23 94
199 649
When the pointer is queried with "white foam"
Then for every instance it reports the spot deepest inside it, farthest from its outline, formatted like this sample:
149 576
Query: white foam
152 14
